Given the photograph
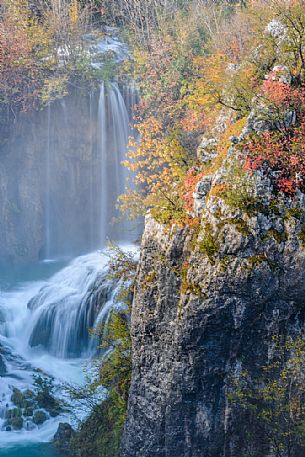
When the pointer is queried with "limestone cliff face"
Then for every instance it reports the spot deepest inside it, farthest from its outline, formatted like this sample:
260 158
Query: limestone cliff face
207 304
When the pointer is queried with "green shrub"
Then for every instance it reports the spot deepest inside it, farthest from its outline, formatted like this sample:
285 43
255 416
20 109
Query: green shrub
209 245
280 237
39 417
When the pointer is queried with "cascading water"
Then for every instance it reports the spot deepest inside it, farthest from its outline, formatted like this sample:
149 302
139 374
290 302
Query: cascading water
45 326
53 204
67 306
92 221
84 178
75 155
48 186
84 141
115 128
102 145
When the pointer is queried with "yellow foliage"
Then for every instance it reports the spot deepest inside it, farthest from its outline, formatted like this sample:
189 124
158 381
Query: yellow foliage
218 190
157 158
224 144
74 12
188 74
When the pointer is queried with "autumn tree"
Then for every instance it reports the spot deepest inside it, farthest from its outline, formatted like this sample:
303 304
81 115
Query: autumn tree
20 54
215 58
281 155
40 49
177 96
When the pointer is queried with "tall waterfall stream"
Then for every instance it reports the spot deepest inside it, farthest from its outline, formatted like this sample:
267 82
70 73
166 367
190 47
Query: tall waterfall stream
97 171
47 309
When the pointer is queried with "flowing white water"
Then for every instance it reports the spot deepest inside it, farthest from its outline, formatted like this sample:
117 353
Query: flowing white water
115 127
102 145
48 186
92 196
45 326
83 180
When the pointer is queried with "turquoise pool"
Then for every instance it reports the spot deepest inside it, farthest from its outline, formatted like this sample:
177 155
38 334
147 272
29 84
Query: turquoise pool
42 450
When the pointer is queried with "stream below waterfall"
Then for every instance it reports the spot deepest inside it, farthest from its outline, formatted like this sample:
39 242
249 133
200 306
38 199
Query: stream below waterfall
46 311
41 450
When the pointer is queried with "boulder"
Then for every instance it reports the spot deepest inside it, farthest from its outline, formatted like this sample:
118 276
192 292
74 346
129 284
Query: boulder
62 438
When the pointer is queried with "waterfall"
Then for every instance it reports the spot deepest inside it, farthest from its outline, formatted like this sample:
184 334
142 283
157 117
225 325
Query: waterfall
48 187
68 306
103 143
74 150
86 140
92 173
114 131
56 315
45 328
60 201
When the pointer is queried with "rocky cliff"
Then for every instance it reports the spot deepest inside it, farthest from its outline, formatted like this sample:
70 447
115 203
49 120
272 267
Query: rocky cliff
208 301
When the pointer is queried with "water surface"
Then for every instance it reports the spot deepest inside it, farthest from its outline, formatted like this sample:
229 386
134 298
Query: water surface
37 450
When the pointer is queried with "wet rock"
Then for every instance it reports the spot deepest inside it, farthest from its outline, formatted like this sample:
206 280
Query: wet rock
28 412
14 419
29 425
63 437
27 403
28 394
13 412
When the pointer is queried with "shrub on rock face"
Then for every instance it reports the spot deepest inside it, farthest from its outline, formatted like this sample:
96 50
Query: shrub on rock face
17 423
63 437
14 419
17 397
45 396
278 104
14 412
274 399
279 92
39 417
281 154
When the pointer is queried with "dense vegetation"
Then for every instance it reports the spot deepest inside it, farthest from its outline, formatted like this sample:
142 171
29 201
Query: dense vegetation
44 50
193 61
204 72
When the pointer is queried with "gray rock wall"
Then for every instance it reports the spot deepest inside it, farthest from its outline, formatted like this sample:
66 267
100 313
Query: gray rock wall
198 317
